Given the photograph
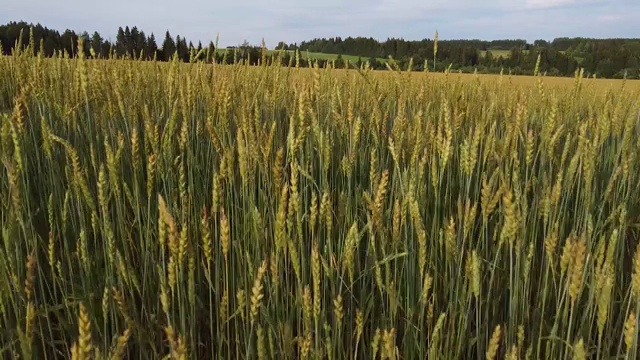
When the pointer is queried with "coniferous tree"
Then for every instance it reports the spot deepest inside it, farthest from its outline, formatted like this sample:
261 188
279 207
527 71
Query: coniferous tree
121 42
185 57
168 47
192 50
134 47
141 43
152 47
107 49
51 45
96 44
562 56
182 48
128 44
87 43
198 50
179 48
211 52
69 42
185 50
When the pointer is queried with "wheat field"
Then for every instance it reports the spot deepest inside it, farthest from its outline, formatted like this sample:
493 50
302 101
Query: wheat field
164 210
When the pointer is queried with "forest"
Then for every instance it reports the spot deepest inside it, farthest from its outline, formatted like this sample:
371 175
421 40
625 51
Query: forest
604 58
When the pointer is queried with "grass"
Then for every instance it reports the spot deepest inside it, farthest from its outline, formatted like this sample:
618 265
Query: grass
316 56
207 211
497 53
325 56
353 58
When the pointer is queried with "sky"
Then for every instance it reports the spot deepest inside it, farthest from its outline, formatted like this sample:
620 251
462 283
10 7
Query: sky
298 20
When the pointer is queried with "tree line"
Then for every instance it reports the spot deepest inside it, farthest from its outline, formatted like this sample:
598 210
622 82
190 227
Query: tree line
130 42
609 58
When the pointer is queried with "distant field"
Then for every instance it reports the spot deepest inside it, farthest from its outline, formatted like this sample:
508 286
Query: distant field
354 58
496 53
601 85
503 53
555 82
315 55
325 56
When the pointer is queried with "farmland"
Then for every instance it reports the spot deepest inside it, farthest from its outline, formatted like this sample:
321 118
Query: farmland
496 53
152 209
305 55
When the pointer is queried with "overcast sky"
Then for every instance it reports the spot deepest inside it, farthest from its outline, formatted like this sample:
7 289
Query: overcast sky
298 20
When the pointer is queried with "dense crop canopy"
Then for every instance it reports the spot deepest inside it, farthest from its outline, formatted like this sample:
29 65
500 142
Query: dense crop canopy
209 211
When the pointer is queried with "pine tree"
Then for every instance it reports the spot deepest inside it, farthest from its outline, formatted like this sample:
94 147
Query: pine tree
134 47
192 49
211 52
107 48
182 49
168 47
128 44
141 42
87 43
96 44
69 42
179 49
152 47
121 42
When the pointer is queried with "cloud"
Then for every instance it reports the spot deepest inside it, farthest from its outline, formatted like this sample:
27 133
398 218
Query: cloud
545 4
577 5
610 17
298 20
